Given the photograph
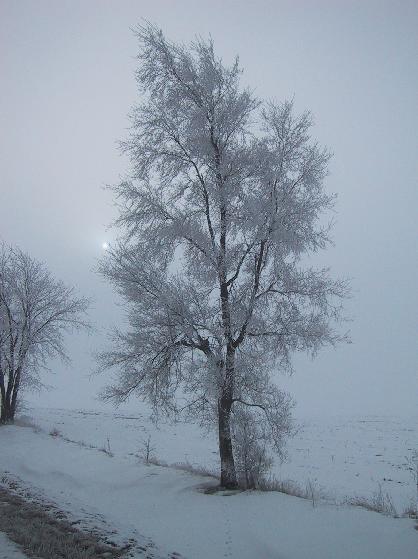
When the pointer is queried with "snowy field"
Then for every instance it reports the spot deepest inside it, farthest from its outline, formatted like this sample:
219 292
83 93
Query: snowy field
341 457
166 511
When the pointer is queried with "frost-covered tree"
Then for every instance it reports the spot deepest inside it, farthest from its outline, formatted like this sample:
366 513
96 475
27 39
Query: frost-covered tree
223 201
35 311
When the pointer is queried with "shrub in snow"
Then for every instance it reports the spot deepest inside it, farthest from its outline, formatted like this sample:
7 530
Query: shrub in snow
251 457
147 450
255 434
380 501
55 432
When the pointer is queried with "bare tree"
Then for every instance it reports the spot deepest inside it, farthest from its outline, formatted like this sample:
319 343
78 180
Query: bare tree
223 200
35 311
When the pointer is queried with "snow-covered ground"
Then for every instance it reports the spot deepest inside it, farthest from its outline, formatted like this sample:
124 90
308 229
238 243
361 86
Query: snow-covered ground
168 507
8 549
342 456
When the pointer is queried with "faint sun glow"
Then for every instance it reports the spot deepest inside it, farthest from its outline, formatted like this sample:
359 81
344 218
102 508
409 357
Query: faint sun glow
105 246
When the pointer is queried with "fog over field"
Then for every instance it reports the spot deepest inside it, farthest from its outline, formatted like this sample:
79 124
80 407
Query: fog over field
67 73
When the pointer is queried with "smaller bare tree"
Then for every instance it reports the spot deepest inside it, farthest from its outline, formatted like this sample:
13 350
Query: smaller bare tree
147 449
35 312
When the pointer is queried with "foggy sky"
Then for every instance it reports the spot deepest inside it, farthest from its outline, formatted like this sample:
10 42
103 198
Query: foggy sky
67 84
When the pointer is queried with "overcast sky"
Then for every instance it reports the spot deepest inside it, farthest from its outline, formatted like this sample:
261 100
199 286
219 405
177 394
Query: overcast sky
67 84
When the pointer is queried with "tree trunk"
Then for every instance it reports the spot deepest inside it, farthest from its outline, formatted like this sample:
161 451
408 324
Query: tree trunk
15 392
228 473
7 410
2 393
9 399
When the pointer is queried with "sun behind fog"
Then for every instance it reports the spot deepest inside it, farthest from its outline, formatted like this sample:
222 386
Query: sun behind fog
105 246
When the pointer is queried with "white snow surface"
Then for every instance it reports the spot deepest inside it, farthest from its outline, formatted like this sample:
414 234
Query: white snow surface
168 507
342 456
9 550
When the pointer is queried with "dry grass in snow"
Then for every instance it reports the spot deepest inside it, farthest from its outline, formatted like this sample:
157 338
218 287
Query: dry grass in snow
43 537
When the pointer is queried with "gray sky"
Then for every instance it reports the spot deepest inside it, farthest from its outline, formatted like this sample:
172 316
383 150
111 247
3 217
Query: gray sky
67 84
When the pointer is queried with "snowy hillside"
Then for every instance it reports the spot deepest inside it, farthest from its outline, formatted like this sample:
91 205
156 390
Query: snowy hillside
166 510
